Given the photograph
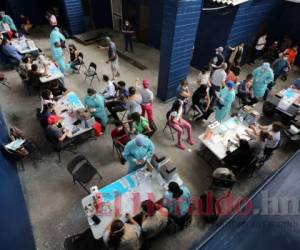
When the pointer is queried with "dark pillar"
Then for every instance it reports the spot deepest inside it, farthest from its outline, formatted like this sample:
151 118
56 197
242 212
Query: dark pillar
180 23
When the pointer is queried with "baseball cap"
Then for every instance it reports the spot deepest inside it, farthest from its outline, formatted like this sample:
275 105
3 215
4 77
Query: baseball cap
146 83
52 119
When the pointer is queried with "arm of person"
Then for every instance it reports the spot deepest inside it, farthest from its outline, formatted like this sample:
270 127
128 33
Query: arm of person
208 100
102 48
150 151
63 137
131 220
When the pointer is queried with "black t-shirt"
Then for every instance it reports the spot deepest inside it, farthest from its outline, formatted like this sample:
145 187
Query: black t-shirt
54 133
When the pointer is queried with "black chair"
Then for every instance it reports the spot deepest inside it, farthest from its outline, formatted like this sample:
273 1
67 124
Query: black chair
82 171
172 131
83 241
246 170
91 73
197 112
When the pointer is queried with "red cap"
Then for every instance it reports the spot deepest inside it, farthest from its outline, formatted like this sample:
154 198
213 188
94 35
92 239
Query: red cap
146 83
52 119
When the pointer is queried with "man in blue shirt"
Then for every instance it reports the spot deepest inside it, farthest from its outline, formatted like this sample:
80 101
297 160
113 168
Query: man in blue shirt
10 52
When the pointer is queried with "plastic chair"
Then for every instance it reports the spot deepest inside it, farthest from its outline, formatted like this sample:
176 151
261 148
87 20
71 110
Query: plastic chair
82 171
91 73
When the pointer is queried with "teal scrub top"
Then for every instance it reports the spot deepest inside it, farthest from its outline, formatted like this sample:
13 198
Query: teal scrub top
132 152
227 98
7 19
178 207
261 80
97 102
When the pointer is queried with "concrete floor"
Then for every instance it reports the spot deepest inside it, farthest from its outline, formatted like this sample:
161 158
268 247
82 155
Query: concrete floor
54 203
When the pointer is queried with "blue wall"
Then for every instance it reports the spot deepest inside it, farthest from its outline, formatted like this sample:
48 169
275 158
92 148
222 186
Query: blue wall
74 16
252 18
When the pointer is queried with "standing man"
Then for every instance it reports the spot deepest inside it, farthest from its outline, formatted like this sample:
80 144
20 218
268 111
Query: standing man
113 58
128 34
259 48
262 77
218 58
8 20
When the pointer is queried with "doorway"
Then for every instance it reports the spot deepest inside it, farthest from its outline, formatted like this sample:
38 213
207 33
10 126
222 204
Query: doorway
88 14
117 17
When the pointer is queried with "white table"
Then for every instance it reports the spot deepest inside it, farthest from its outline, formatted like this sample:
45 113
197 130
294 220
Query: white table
54 72
72 104
223 132
137 184
289 97
24 46
4 27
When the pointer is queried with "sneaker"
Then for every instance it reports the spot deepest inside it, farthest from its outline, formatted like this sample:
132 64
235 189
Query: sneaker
181 146
189 141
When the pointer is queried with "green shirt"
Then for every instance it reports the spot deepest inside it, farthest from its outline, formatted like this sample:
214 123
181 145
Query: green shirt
141 125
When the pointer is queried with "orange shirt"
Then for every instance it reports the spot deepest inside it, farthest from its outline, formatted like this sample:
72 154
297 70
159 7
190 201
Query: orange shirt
291 54
232 77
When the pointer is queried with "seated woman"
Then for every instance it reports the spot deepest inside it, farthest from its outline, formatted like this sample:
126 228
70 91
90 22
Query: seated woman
245 91
233 74
240 157
27 62
44 115
258 144
204 76
26 148
74 57
95 103
154 219
201 100
10 52
123 236
177 200
35 74
176 121
141 124
26 25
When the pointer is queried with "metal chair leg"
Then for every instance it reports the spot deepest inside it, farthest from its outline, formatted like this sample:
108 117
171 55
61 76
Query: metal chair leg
22 165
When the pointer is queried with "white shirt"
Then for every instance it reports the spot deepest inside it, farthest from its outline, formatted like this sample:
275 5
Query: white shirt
147 95
218 77
274 142
203 78
177 115
110 90
261 43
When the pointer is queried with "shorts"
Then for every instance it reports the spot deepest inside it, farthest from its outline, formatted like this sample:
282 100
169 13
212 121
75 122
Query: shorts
115 65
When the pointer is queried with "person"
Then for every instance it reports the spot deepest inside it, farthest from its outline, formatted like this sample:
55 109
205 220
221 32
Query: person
56 37
58 56
204 76
27 60
119 104
110 89
176 121
57 89
26 148
262 77
286 43
177 200
95 104
296 83
236 55
291 53
10 51
218 58
239 157
48 109
245 91
274 138
26 25
133 103
183 94
73 53
141 124
7 19
233 74
259 47
51 19
272 52
120 134
258 143
225 101
46 97
147 100
137 152
201 100
218 80
123 236
113 58
128 34
281 66
55 132
35 74
154 219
